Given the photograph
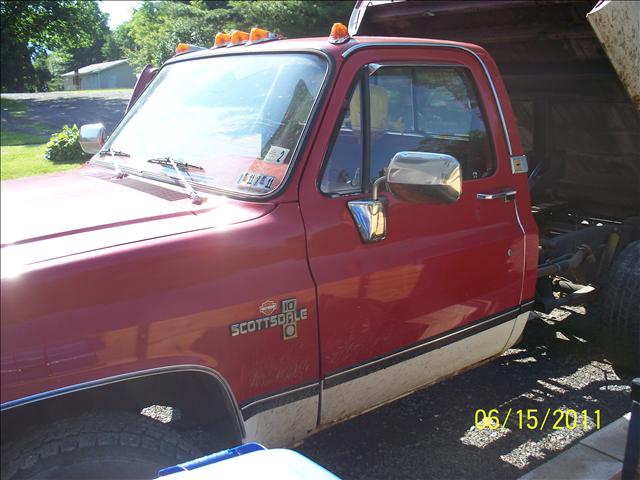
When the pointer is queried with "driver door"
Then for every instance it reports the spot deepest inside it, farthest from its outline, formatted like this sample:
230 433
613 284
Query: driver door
441 290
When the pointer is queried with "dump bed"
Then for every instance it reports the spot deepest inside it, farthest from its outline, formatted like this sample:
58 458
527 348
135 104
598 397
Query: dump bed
617 25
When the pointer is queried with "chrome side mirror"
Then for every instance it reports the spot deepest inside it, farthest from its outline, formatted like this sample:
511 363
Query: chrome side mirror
92 137
370 215
412 176
424 177
371 218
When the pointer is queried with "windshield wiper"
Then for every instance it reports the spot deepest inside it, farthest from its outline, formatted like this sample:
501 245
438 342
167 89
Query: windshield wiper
178 166
169 161
116 165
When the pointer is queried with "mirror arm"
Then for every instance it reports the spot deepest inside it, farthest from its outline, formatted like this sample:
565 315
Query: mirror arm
376 186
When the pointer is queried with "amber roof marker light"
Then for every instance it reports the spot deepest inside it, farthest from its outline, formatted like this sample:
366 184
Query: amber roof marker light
187 48
339 34
258 35
222 40
182 48
238 37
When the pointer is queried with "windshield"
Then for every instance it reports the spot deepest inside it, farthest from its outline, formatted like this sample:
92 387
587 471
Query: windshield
232 122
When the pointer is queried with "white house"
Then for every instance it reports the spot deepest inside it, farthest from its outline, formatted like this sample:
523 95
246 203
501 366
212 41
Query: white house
116 74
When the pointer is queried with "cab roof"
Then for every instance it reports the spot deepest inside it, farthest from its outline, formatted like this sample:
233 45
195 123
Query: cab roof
319 44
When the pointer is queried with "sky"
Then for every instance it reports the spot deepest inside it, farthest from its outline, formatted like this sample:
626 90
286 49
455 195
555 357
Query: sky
119 11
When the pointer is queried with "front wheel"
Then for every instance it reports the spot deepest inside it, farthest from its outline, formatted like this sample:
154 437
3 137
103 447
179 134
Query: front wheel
107 445
620 310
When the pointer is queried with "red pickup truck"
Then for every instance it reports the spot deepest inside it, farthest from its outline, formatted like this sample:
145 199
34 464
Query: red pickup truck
279 235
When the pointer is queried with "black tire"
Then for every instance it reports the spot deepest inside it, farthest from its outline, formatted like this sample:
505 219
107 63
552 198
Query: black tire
620 310
100 445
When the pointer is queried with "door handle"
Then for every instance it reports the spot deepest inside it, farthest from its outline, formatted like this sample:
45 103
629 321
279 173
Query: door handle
506 195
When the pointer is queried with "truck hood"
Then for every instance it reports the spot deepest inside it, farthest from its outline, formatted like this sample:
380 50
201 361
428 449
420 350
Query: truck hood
53 216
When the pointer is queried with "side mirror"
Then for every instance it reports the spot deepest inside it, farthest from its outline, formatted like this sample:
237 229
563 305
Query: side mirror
413 176
424 177
92 137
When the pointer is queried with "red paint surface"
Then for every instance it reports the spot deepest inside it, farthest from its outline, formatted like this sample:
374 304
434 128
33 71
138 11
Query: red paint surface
440 267
119 280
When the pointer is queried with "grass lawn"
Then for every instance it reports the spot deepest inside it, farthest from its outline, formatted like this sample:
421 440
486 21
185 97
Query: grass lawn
25 160
22 154
15 138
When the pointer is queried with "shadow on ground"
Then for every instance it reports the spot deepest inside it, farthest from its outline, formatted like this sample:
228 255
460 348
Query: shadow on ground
431 434
47 113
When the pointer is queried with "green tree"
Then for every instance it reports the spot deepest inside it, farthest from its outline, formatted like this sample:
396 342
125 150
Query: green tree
77 56
28 29
42 73
59 62
154 30
291 18
111 49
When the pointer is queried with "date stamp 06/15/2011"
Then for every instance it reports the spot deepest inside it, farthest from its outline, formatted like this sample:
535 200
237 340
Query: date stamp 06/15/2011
537 419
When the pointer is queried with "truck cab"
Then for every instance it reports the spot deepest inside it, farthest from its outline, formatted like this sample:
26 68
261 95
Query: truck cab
279 235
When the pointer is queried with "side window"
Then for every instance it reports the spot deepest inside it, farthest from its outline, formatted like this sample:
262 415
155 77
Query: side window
428 109
343 168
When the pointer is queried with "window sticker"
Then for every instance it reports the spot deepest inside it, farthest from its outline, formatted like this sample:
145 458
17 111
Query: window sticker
258 181
260 176
276 155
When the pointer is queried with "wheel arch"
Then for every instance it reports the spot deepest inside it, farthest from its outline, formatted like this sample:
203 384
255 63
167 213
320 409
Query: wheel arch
202 395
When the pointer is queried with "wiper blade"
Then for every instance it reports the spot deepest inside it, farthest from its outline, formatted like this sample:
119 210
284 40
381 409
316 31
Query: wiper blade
171 162
116 165
113 153
178 166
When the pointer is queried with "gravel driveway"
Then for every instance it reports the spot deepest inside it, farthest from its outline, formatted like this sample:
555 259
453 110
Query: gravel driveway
431 434
50 111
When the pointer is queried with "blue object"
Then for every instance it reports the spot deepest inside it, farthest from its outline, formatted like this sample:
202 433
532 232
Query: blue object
213 458
249 461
